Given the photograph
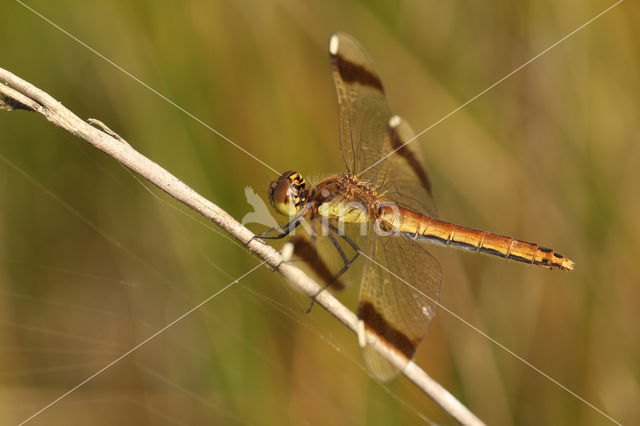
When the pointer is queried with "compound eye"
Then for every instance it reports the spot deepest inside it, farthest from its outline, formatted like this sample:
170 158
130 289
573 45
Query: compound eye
283 194
289 193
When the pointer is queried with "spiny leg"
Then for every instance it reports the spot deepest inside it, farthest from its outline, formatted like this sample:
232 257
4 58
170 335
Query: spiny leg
286 230
306 251
346 261
348 240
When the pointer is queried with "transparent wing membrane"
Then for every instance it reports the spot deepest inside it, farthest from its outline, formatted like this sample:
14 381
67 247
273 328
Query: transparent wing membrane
399 314
406 181
364 111
398 301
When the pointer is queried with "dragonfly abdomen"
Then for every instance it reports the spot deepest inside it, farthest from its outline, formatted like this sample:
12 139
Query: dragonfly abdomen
419 226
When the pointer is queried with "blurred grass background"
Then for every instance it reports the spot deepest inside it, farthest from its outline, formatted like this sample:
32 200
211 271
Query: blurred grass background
92 260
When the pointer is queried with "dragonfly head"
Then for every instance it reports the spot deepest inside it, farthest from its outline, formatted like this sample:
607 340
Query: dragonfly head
289 193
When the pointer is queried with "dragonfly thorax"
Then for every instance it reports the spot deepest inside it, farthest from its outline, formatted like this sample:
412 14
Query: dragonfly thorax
289 193
345 198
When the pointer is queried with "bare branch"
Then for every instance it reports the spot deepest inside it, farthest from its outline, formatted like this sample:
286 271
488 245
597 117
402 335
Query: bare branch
19 94
106 129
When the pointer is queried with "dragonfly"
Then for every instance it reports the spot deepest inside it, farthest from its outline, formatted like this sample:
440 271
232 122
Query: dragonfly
386 195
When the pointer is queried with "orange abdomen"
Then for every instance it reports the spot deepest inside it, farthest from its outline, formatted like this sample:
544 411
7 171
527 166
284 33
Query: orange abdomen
416 225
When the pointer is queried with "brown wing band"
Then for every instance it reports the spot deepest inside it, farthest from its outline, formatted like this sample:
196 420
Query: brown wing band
376 323
410 157
307 252
353 73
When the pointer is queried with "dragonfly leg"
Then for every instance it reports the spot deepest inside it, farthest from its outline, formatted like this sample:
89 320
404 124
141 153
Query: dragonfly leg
348 240
346 261
283 230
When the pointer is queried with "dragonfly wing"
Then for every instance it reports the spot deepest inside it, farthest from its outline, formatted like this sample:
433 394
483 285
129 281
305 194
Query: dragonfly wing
388 306
314 247
406 180
397 300
368 131
306 250
364 111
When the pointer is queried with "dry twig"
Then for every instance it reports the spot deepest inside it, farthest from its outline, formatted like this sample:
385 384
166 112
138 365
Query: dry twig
19 94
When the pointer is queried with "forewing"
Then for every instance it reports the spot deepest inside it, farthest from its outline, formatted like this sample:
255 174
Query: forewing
398 299
364 111
406 180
